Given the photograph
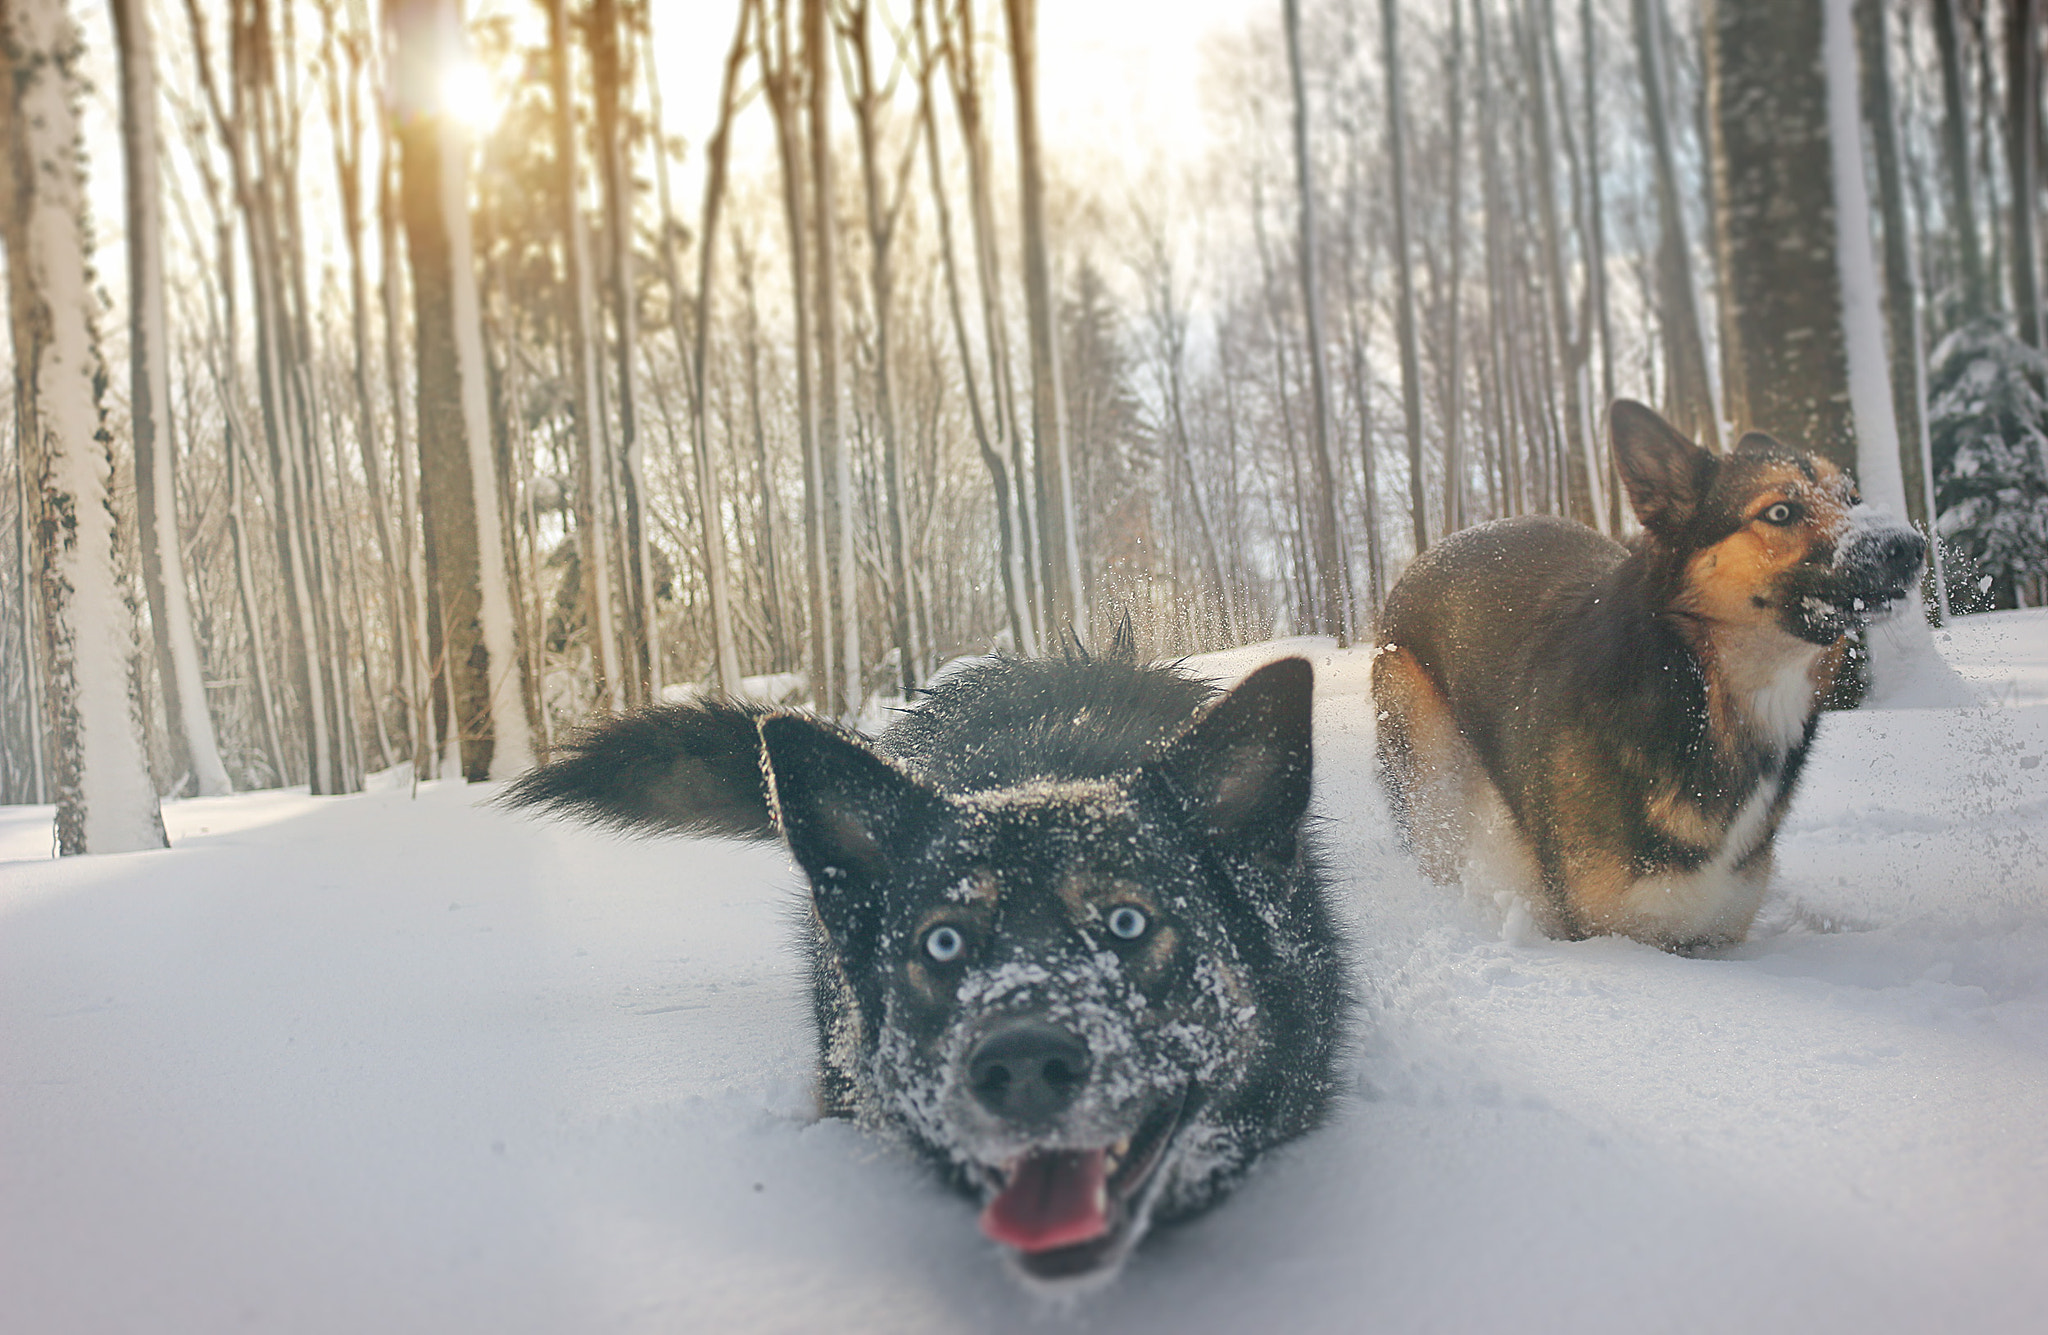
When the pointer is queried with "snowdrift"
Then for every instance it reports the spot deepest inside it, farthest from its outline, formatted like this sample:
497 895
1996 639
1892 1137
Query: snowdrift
400 1063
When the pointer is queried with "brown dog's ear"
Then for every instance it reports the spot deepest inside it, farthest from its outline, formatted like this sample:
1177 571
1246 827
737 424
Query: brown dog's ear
1756 442
1667 476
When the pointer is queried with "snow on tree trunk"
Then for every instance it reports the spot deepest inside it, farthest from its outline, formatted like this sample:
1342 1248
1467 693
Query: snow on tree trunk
587 426
608 78
1066 600
710 501
1334 602
1905 667
1808 356
156 503
835 464
457 465
106 801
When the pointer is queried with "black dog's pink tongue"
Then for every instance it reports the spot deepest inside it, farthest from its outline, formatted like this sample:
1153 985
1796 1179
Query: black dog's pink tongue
1055 1198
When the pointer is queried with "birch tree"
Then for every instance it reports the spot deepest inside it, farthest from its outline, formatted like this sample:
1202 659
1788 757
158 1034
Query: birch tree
193 747
466 555
106 800
1065 600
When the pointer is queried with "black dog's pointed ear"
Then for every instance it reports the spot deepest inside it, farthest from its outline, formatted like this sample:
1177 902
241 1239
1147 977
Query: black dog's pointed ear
1667 476
1123 641
1245 765
846 811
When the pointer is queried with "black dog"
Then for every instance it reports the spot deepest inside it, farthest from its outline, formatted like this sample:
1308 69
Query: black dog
1067 935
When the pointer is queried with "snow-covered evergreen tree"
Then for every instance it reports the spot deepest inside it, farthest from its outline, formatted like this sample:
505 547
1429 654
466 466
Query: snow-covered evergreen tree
1988 420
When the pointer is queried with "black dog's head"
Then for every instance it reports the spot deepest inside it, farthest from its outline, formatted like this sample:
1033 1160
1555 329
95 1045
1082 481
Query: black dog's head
1078 996
1766 535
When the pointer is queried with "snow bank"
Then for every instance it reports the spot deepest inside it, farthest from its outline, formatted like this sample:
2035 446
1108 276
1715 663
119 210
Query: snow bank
376 1063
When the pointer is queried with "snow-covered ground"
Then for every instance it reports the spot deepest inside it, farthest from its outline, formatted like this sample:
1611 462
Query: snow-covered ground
397 1063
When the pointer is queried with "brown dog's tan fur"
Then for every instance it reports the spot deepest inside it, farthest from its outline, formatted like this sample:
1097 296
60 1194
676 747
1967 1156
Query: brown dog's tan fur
1614 731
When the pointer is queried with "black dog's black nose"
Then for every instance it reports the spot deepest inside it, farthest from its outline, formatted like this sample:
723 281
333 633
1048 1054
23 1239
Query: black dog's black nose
1028 1071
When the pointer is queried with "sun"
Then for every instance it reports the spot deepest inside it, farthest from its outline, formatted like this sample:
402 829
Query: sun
469 96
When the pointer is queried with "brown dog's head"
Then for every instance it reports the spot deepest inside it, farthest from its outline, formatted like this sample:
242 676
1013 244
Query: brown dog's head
1764 536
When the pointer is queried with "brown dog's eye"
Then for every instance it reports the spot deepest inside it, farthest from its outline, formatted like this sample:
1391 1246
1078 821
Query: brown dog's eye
1783 514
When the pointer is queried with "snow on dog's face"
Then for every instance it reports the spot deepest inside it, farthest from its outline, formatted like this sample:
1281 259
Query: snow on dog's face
1771 536
1054 987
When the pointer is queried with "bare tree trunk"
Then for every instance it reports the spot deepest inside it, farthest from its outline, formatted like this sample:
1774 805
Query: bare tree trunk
425 685
769 546
2023 156
106 802
1596 255
1065 599
709 503
835 466
345 59
1690 401
588 427
1955 143
1334 601
1580 483
961 68
458 476
1901 286
999 479
1454 339
881 221
779 78
163 566
608 78
1404 278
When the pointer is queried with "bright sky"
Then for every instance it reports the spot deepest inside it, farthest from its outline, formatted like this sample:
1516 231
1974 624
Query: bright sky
1119 84
1116 77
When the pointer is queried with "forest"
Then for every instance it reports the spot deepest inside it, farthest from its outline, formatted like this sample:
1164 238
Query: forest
436 390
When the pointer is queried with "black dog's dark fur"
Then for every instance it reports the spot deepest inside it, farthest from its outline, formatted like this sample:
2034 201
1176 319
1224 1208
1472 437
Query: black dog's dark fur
974 873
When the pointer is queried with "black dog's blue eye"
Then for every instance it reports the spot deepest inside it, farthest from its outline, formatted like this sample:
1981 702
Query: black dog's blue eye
944 943
1126 922
1783 514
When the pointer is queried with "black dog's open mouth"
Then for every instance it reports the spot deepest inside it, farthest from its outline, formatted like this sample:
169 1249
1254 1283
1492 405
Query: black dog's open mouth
1068 1211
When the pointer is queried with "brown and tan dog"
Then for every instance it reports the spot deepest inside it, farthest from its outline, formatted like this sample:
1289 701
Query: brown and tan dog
1616 731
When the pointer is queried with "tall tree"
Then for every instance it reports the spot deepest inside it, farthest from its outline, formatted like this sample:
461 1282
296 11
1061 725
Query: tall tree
781 81
835 467
881 213
1334 613
466 555
106 801
1901 285
588 434
608 79
1955 156
2023 157
1065 600
1689 398
710 506
1010 553
190 725
963 71
1404 278
1802 278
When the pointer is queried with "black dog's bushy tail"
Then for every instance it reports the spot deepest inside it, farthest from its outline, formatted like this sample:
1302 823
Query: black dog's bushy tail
684 769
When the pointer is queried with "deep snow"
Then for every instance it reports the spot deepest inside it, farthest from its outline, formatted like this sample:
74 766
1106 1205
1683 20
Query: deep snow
394 1063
